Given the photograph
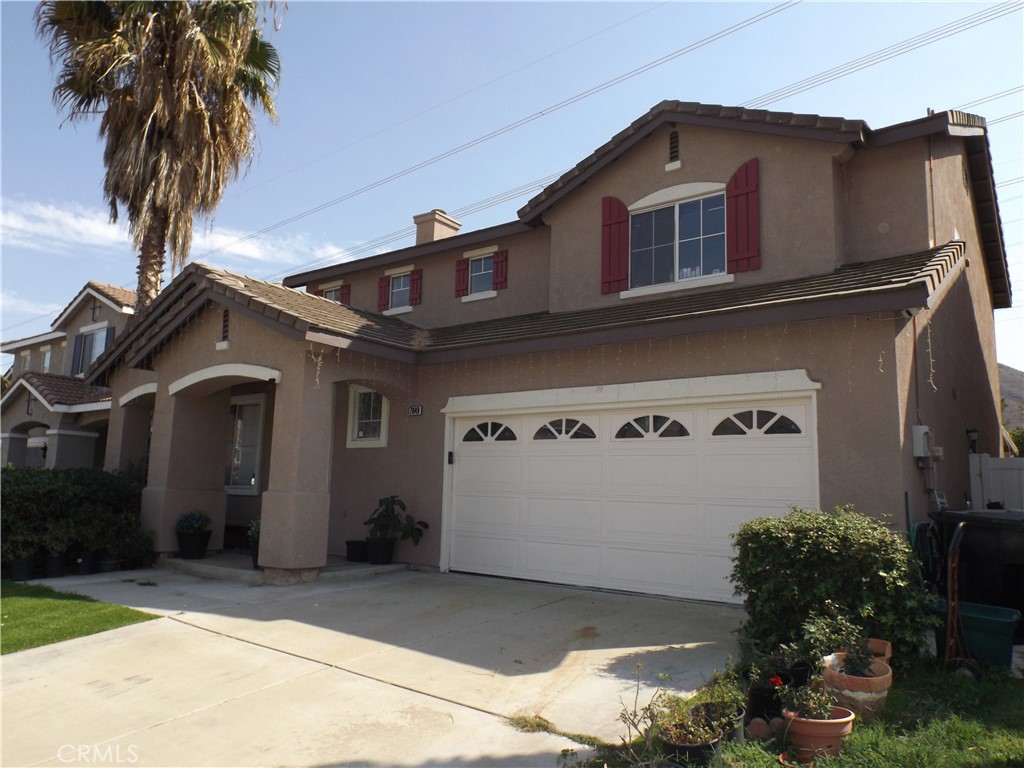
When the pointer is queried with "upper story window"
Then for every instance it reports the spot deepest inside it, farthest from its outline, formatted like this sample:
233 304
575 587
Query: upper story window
89 345
245 434
677 242
692 234
46 360
367 418
480 273
399 290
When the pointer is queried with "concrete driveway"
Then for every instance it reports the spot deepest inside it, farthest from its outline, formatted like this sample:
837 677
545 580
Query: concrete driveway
406 668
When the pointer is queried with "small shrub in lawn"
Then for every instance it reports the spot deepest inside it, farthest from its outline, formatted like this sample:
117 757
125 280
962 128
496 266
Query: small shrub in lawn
789 568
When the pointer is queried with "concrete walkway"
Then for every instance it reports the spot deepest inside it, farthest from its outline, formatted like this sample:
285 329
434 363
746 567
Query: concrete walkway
401 669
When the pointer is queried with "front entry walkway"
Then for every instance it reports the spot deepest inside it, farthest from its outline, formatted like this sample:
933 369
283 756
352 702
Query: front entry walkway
404 669
231 565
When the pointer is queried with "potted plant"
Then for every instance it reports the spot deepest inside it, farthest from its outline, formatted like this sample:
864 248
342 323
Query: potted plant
859 680
19 552
254 541
59 534
193 529
690 737
763 677
388 523
724 701
815 725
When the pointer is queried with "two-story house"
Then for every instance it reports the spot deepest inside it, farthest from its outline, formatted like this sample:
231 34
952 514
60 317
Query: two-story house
716 315
51 416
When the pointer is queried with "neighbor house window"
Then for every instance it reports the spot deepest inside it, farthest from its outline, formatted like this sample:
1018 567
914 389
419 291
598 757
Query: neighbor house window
367 418
677 242
46 360
399 291
89 345
245 431
341 293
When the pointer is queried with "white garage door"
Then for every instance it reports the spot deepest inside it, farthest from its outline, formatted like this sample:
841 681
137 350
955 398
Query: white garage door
641 499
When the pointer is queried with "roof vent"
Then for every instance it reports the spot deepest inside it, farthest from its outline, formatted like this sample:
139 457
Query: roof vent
434 225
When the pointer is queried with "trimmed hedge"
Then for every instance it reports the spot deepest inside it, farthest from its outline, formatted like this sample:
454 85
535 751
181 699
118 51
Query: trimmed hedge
788 567
72 511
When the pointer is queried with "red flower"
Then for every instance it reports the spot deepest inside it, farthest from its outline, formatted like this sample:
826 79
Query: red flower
775 681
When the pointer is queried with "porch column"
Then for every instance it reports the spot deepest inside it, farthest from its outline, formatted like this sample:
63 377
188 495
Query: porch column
296 505
70 448
15 445
186 465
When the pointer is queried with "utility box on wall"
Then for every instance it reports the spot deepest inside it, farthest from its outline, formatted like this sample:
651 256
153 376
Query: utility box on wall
920 438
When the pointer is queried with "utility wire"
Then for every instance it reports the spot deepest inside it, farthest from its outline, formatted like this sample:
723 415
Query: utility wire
992 97
512 126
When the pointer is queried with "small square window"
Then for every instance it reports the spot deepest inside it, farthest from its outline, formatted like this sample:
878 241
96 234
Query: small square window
334 294
367 419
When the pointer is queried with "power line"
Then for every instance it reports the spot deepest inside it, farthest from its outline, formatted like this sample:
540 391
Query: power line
512 126
897 49
992 97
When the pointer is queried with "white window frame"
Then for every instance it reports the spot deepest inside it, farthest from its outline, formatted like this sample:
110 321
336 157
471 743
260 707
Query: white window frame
24 360
253 489
47 358
96 331
391 274
673 197
332 291
352 439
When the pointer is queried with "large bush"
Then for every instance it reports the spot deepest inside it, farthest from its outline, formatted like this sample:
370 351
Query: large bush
788 567
99 511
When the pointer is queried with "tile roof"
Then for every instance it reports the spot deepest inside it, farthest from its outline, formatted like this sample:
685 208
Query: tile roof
122 296
904 282
64 390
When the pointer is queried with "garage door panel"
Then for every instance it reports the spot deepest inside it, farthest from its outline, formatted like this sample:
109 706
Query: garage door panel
491 471
653 522
565 473
757 475
644 570
486 554
649 472
497 514
561 561
562 517
721 520
716 570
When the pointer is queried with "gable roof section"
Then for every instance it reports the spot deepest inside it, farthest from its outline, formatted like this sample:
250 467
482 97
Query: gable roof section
60 393
118 299
831 129
905 282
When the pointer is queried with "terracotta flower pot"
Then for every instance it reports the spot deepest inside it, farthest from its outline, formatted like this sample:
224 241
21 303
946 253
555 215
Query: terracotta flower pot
818 738
864 695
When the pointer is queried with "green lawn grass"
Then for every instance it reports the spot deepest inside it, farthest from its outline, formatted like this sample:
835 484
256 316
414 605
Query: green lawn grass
932 719
34 615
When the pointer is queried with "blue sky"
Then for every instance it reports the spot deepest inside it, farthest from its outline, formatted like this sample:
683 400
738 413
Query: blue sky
388 110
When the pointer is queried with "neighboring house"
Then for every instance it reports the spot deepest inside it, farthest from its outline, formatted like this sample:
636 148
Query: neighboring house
717 314
51 416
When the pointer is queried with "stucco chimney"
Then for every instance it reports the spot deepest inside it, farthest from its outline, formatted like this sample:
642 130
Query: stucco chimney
435 225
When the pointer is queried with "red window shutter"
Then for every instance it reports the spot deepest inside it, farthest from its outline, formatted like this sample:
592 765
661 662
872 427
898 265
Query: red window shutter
743 220
383 293
461 277
345 294
415 287
614 245
500 266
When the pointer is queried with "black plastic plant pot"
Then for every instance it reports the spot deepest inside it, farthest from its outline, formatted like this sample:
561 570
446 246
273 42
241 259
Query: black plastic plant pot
380 551
192 545
356 551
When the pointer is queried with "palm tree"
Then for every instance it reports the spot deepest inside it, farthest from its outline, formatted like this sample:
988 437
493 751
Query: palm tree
174 82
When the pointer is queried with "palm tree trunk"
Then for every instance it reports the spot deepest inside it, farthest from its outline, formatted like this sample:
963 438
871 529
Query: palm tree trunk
151 262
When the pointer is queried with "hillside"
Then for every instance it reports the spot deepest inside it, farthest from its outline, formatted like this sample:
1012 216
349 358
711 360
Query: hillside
1011 383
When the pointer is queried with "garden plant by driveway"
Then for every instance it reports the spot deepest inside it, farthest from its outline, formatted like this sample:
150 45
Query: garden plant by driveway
411 669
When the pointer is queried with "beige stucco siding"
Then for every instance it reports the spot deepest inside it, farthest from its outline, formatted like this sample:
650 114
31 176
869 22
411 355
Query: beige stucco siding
797 200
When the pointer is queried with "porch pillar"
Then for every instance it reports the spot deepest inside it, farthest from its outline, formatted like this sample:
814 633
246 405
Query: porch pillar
70 448
15 445
296 505
186 465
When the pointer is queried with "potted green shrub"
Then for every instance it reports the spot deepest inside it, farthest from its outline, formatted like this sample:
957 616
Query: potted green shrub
19 552
57 537
193 530
389 523
254 541
816 725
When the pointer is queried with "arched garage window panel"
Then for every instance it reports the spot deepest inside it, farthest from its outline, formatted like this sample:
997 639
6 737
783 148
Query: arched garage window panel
489 432
651 426
565 429
756 422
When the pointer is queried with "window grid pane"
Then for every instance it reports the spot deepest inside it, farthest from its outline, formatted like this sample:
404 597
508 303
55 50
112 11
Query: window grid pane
368 420
400 291
481 274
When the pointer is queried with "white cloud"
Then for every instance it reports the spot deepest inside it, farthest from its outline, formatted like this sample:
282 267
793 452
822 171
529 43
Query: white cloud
12 302
65 228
